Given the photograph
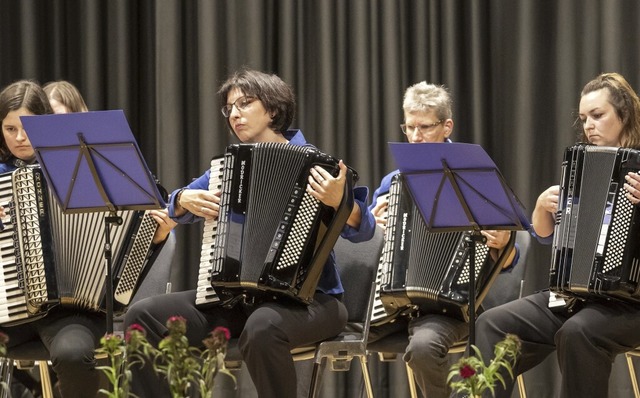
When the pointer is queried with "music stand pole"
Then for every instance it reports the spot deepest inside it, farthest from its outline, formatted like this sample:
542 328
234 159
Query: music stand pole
108 254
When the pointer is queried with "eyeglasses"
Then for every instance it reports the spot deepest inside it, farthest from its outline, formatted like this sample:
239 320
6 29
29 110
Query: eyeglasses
241 104
422 129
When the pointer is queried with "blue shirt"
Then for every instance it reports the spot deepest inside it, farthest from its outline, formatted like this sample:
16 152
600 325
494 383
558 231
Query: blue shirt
330 278
5 168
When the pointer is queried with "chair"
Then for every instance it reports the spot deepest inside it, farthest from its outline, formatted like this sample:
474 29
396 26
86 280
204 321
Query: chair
632 371
35 353
357 264
506 287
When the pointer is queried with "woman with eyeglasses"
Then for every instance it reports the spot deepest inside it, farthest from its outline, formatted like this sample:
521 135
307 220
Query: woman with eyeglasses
259 107
588 334
428 118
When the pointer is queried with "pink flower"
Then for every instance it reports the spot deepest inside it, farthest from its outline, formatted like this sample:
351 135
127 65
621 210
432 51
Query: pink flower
177 325
176 318
111 342
217 339
137 327
467 371
133 329
221 330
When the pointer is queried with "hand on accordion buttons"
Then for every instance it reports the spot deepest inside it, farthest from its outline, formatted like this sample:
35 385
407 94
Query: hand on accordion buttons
496 239
633 187
165 224
325 187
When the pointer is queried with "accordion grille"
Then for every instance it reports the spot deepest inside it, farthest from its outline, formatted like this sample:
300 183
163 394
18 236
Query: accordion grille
594 248
266 206
423 269
68 249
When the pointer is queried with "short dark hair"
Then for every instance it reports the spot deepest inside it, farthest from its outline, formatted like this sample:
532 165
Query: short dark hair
21 94
276 95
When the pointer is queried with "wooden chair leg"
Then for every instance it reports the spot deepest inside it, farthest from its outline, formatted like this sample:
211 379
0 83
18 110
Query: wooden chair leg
521 390
413 390
45 379
632 375
366 376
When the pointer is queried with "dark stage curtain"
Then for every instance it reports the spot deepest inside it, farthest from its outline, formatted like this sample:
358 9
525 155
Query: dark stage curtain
515 69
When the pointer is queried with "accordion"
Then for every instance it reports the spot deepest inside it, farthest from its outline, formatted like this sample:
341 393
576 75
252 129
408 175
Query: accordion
271 238
595 252
49 258
424 272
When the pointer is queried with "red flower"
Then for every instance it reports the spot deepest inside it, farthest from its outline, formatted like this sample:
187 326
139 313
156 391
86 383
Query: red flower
137 327
177 325
134 328
176 319
221 330
467 371
217 339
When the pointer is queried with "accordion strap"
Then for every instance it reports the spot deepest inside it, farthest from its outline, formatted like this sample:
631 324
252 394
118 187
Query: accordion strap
335 228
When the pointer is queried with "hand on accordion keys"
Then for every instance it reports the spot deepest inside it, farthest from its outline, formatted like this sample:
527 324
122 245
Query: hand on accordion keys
200 202
549 199
3 217
633 187
380 210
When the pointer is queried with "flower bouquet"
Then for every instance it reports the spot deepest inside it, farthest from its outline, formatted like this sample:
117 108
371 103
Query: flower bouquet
122 355
185 368
474 376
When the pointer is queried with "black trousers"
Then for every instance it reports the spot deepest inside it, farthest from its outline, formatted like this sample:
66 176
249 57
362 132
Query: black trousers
267 333
586 341
71 338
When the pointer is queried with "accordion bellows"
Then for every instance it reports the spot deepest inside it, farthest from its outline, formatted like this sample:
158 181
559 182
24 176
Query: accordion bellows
595 245
50 258
271 238
423 272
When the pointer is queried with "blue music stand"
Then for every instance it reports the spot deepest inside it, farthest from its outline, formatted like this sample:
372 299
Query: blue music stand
91 162
457 187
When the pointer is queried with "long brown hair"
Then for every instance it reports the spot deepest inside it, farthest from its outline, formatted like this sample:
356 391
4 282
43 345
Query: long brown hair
626 103
21 94
67 94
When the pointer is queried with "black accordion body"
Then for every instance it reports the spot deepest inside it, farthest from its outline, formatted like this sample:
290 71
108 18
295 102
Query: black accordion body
271 238
596 243
50 259
424 272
